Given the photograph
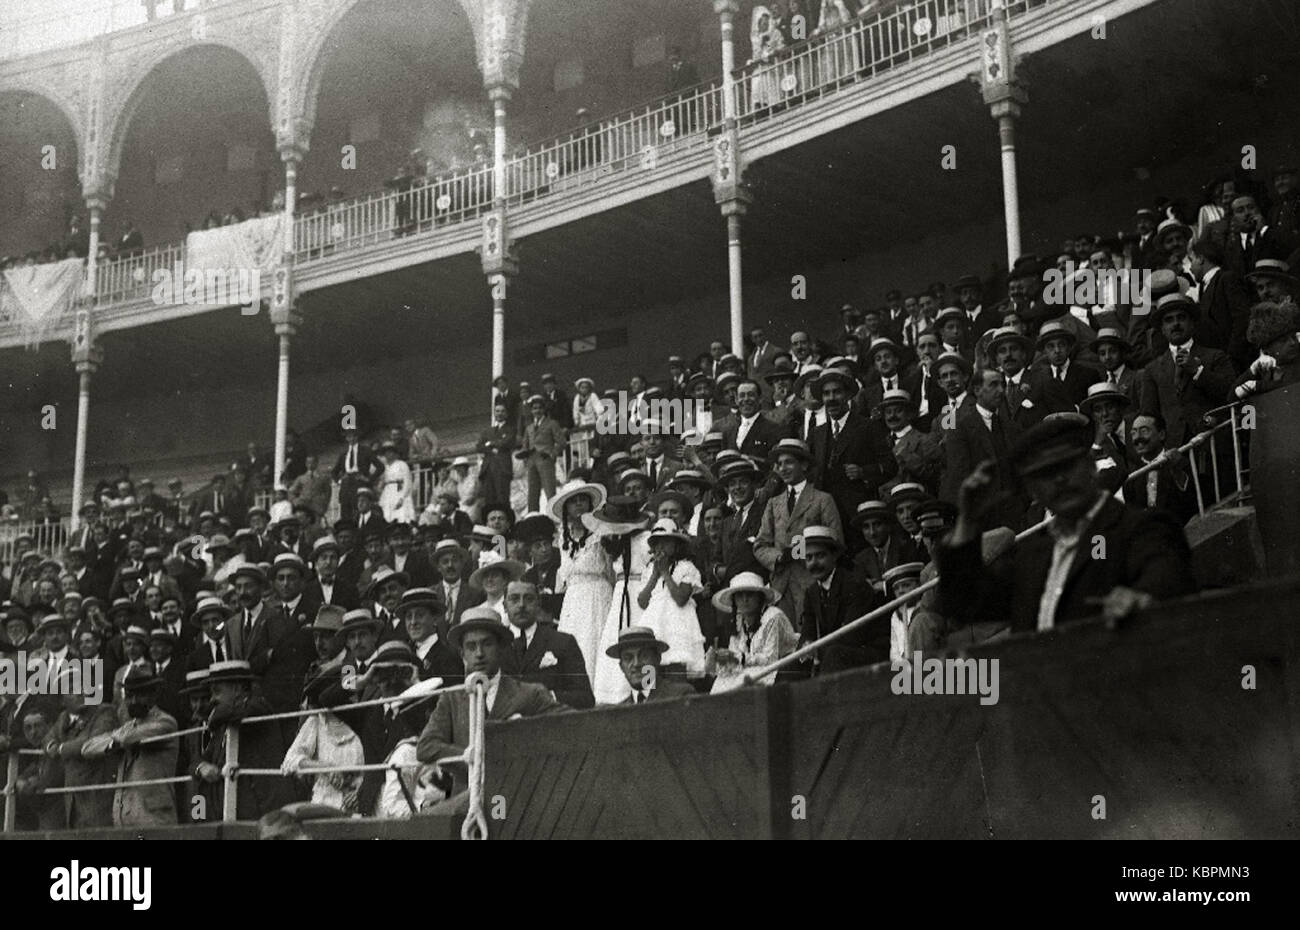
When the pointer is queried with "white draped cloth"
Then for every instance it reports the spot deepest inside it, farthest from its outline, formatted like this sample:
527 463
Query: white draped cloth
256 243
36 297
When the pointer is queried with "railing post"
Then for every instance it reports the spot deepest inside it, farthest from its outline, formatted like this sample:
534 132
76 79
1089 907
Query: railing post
1236 450
230 797
11 790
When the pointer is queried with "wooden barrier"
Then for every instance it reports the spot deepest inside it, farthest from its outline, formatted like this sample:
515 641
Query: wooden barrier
1152 720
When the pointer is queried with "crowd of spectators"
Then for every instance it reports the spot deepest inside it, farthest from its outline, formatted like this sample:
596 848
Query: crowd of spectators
806 484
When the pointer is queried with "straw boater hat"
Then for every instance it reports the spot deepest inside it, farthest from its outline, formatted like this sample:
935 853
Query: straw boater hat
205 606
195 682
230 670
479 618
810 373
1054 328
953 358
1007 334
950 313
882 342
838 374
420 597
744 581
898 573
1102 390
1174 301
1273 268
690 476
631 473
1112 336
323 544
616 517
290 560
872 509
796 447
122 605
393 654
741 467
359 619
634 637
450 545
385 573
895 396
822 536
136 632
512 569
595 492
1172 225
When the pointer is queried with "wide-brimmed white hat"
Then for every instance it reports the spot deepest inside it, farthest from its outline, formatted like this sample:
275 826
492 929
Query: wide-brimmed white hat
573 489
745 581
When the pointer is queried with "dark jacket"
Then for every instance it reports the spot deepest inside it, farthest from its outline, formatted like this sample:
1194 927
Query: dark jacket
566 678
825 612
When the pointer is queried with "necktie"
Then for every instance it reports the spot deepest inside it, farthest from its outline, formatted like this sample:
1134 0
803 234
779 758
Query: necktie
1060 374
218 654
351 465
1119 443
640 697
521 646
654 472
790 498
451 601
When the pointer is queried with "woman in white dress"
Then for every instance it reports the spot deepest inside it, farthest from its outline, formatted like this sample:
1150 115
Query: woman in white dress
585 576
623 530
396 499
765 40
840 56
761 634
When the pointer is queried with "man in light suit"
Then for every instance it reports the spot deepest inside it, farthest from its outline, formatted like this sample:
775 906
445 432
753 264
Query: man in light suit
796 505
540 654
148 805
639 653
481 638
543 442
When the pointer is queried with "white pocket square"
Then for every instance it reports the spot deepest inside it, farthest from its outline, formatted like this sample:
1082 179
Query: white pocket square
549 660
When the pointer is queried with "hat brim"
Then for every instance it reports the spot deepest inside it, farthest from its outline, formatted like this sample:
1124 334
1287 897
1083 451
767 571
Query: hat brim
722 600
403 577
514 571
598 524
456 635
616 651
1120 397
591 489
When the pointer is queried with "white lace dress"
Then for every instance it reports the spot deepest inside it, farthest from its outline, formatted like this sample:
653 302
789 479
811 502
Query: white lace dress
609 684
587 581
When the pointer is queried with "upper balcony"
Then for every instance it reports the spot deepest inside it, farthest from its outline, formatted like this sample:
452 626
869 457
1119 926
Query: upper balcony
809 89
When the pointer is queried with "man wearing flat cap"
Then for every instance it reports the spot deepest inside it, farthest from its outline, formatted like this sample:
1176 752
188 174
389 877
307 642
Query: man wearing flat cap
481 638
1096 556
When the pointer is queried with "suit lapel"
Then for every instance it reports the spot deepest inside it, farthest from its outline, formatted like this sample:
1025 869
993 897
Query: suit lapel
507 699
532 660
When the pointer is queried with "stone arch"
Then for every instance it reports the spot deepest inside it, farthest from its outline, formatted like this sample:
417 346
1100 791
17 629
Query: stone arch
122 98
30 84
318 22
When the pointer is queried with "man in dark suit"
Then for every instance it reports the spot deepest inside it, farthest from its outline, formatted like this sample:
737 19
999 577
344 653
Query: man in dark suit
760 360
356 466
367 514
291 596
404 558
422 612
497 444
970 294
455 594
740 528
1249 238
1168 487
1223 303
835 599
482 640
851 454
752 433
887 544
1114 352
170 672
1061 383
558 405
210 645
884 355
640 655
1186 380
1058 577
984 431
254 632
325 586
541 654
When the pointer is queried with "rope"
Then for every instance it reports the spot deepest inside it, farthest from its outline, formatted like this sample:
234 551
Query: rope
888 608
477 684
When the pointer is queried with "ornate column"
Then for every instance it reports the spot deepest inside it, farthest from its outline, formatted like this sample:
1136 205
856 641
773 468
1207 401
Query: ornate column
284 314
86 358
501 54
729 190
1004 96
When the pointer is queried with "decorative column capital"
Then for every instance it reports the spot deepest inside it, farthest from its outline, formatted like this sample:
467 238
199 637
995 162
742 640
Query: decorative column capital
286 323
292 150
283 299
497 248
85 351
501 91
726 7
728 175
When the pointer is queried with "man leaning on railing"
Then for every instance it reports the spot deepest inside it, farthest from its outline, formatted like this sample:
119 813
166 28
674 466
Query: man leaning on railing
1097 555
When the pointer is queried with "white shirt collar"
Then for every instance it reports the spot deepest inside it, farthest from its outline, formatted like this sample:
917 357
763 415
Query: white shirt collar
423 646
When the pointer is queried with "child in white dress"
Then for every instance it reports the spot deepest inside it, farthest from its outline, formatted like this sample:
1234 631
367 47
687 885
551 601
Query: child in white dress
666 599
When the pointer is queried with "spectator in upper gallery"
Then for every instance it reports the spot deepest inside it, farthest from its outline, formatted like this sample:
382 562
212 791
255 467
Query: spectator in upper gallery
132 241
681 73
421 442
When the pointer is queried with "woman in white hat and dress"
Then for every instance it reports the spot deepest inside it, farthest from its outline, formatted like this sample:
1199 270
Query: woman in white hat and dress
585 576
396 497
624 533
761 633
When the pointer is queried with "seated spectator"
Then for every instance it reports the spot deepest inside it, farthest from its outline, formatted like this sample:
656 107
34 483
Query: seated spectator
640 653
1051 579
1274 330
542 655
1167 487
836 599
760 633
